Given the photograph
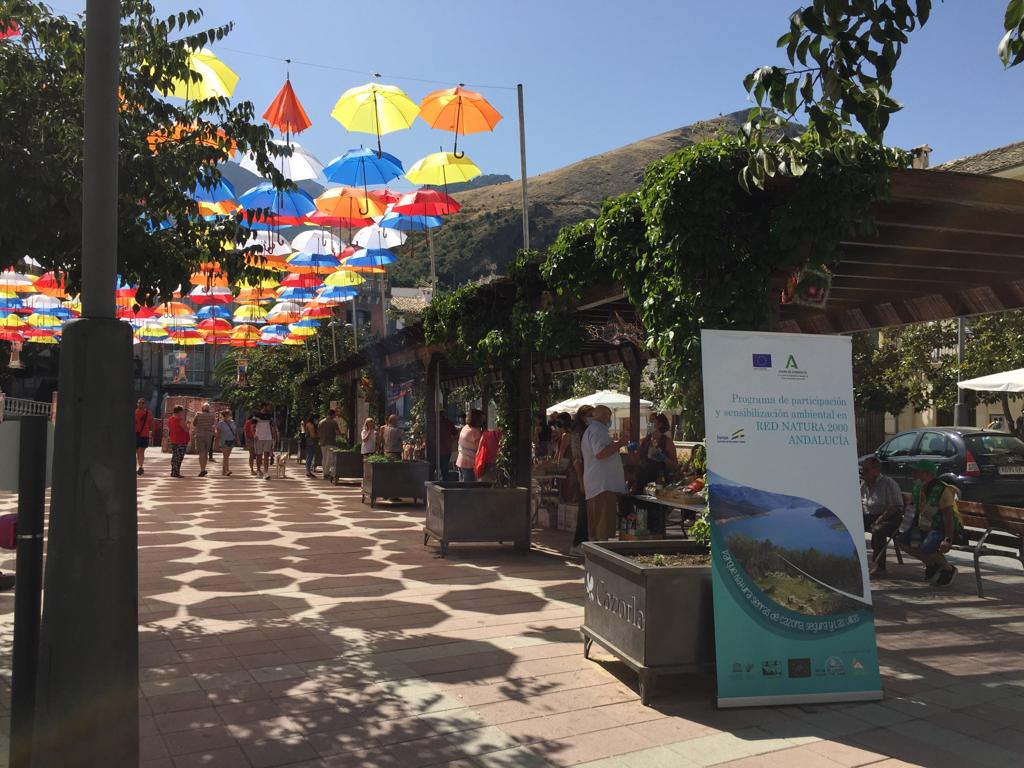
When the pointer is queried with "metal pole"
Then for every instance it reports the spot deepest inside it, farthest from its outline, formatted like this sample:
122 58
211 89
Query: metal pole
960 411
433 264
99 198
29 586
355 322
522 168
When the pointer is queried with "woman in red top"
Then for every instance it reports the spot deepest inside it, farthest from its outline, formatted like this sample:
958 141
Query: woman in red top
143 429
178 438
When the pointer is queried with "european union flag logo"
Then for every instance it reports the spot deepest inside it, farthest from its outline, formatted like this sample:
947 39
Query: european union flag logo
762 361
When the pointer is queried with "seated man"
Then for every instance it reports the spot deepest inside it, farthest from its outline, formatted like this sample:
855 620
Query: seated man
936 524
882 504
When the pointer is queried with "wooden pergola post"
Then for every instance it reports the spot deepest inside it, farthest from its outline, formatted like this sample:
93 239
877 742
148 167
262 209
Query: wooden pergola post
430 415
635 371
521 462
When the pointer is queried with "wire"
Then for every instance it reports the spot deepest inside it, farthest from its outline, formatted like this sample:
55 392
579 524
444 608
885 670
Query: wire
334 68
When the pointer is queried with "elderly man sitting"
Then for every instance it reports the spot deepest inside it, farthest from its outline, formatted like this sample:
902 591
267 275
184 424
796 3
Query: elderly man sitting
936 525
882 504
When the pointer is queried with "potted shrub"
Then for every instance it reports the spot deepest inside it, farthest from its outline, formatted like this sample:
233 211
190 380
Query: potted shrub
649 604
388 478
344 463
477 512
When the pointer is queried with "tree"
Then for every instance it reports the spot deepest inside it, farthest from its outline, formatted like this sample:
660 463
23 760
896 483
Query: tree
166 148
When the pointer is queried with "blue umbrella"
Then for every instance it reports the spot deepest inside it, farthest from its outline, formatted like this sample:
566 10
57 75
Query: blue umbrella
362 167
212 312
289 206
370 257
297 294
314 260
214 191
404 223
306 322
62 312
10 304
337 293
274 330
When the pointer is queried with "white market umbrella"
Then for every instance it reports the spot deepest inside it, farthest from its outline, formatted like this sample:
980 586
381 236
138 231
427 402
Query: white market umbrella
1007 381
377 237
301 166
319 242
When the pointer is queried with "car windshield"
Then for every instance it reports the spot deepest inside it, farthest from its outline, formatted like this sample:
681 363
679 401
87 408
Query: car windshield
995 449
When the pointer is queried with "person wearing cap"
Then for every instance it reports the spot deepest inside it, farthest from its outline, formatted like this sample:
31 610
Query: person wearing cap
936 524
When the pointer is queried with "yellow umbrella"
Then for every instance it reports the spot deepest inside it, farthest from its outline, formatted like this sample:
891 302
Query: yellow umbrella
47 339
250 313
216 79
344 278
301 330
43 321
442 168
375 108
11 321
254 292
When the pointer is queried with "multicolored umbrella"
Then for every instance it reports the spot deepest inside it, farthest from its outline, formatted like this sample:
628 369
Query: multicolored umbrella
459 111
213 313
252 314
375 108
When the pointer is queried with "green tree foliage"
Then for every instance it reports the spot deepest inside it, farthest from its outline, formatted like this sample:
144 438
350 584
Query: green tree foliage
41 85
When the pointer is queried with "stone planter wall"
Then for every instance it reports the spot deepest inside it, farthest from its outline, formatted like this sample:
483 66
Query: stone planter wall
477 512
395 480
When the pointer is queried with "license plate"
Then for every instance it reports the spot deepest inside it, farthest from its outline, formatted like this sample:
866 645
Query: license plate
1012 470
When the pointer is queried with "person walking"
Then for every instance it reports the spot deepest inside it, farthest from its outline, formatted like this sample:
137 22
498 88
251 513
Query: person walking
179 438
603 476
572 488
391 436
312 434
469 443
202 435
368 438
143 429
227 436
266 434
328 429
249 432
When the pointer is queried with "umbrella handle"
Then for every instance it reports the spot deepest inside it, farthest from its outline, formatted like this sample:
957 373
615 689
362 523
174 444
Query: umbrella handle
458 117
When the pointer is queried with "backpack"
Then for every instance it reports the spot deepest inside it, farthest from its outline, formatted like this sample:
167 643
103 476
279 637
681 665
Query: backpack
9 531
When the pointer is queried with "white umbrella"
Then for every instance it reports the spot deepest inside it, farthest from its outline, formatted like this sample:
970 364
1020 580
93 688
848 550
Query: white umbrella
272 243
42 301
375 236
319 242
301 166
1007 381
616 401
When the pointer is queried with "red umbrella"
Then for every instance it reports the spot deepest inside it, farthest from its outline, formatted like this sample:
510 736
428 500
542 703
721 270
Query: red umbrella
326 220
13 30
386 196
296 280
286 113
426 202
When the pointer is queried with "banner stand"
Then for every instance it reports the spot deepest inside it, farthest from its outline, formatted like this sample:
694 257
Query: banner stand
794 622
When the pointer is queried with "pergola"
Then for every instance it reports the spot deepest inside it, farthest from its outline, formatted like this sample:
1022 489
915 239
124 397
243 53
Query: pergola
948 245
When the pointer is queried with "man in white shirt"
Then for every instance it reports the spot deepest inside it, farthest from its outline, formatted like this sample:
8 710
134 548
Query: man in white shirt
603 476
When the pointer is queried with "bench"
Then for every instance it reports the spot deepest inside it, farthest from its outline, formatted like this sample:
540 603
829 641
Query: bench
991 524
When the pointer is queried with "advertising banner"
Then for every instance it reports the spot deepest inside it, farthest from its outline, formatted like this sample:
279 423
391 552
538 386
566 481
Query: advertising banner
793 615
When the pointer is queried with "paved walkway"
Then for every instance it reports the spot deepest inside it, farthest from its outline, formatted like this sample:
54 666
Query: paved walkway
284 623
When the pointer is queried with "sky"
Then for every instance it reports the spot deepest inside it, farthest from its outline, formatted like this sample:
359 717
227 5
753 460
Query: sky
595 76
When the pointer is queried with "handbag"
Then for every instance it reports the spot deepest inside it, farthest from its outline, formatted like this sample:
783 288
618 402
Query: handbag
9 531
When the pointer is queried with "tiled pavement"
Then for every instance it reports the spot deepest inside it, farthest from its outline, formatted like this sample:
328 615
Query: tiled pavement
284 623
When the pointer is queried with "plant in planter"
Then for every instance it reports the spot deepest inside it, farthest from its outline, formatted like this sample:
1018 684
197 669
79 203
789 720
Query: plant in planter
346 462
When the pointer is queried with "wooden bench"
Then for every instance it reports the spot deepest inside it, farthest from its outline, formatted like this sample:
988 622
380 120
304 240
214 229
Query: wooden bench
986 524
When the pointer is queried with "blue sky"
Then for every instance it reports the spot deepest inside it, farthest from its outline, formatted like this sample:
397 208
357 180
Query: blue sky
596 77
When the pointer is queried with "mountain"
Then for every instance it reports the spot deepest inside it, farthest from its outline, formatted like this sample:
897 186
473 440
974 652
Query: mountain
483 237
484 180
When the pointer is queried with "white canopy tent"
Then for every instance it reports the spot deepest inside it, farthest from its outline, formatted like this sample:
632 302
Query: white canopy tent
1007 381
616 401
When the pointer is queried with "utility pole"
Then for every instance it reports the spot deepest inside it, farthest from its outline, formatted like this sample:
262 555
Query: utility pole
87 697
522 169
960 411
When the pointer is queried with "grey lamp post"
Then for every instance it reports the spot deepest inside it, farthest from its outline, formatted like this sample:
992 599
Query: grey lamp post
87 697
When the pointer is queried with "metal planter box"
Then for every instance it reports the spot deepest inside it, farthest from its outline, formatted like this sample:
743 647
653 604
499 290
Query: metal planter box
345 465
657 620
477 512
394 480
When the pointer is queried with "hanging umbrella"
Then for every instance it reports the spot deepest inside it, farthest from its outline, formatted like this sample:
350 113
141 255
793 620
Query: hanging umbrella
254 294
302 165
297 329
459 111
187 338
9 335
366 257
333 294
267 244
12 322
11 281
441 169
215 78
294 341
404 223
296 294
213 313
173 309
12 30
376 237
215 324
216 337
245 336
284 312
216 295
426 202
297 280
315 311
12 304
206 136
362 168
39 301
286 207
183 321
316 261
348 202
210 190
250 313
318 242
151 333
285 112
37 320
385 196
321 219
41 337
345 279
375 108
51 284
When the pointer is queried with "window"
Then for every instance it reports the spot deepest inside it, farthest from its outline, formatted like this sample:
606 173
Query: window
935 444
901 445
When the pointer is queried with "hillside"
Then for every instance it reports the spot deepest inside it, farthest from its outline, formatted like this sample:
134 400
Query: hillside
482 238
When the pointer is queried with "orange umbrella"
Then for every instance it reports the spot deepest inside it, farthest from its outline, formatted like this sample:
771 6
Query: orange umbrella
349 203
460 111
285 112
206 136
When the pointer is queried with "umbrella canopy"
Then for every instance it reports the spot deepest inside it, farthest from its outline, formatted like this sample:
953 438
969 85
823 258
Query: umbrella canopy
607 397
302 165
344 279
214 295
459 111
315 311
51 284
442 168
11 321
210 190
12 30
173 309
1007 381
204 136
285 112
404 223
250 313
215 78
370 257
41 301
317 241
375 108
316 261
349 203
301 280
268 244
377 237
8 335
362 167
209 313
286 206
38 320
321 219
333 294
187 338
426 202
296 294
215 324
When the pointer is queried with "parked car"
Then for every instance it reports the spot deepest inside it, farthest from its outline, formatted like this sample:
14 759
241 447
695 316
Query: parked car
987 466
